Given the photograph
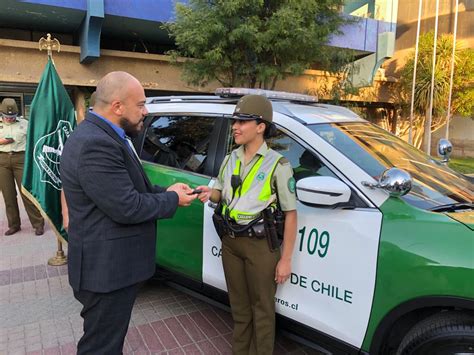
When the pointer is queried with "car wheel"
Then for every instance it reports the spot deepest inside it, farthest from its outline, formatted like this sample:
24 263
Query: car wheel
445 333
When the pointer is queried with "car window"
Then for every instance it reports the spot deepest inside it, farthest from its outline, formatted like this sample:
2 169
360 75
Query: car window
178 141
375 150
303 161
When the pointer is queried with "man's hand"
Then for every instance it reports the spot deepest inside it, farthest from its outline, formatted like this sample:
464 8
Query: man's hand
282 271
184 193
204 194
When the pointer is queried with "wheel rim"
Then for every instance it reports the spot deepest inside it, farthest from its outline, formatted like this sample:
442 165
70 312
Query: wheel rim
447 347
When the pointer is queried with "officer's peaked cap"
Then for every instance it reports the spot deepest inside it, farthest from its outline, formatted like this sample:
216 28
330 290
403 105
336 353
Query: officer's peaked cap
251 107
9 108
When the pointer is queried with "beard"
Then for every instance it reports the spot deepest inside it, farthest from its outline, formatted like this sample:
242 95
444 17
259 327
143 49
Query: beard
131 129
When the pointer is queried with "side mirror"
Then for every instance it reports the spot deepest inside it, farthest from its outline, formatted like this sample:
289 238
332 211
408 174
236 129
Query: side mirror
322 190
396 182
445 149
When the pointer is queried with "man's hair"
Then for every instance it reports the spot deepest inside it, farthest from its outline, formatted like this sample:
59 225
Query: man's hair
113 86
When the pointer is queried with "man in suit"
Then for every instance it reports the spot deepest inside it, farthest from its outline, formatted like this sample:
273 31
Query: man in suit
113 208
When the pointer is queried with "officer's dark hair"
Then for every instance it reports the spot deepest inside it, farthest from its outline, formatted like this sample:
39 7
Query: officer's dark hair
270 129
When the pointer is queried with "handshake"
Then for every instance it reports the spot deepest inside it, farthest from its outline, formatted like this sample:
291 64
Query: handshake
186 194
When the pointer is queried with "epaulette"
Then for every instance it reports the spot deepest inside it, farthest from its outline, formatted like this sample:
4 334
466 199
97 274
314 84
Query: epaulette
283 161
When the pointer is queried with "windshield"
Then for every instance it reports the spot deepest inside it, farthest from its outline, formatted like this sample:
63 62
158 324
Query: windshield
375 150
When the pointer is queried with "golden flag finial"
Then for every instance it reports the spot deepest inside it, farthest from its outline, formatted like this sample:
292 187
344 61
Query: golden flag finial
49 44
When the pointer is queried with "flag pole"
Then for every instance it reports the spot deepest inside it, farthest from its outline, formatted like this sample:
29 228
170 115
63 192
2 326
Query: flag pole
60 258
453 57
433 68
51 44
413 85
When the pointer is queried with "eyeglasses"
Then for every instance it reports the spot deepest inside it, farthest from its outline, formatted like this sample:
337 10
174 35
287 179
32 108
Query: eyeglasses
8 117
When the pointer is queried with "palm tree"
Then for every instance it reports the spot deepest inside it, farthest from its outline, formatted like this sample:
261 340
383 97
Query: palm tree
462 84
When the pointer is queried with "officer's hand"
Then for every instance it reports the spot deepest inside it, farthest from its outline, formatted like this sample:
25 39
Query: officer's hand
184 193
205 193
282 271
6 141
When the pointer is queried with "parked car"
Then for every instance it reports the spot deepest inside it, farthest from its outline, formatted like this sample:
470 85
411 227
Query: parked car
384 257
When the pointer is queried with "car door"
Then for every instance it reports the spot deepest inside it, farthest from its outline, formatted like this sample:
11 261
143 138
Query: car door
334 261
180 148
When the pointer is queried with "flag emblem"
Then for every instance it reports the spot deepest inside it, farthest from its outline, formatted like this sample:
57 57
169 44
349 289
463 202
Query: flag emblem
47 153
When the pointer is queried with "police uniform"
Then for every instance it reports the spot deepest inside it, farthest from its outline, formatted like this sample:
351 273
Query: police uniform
12 156
249 264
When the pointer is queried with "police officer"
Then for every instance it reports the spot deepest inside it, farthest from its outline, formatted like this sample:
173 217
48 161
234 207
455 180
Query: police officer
252 179
13 131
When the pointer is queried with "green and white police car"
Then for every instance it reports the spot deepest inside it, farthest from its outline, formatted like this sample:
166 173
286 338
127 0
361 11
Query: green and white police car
384 257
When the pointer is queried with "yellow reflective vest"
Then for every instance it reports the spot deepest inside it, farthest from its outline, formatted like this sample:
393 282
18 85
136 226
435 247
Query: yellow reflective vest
255 191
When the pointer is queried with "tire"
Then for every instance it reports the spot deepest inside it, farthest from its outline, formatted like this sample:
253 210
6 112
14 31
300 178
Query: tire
445 333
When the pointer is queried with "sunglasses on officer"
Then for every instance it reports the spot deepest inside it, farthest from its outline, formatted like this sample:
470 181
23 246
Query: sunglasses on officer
9 117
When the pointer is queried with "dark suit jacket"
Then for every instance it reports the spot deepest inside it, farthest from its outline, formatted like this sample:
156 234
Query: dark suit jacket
112 210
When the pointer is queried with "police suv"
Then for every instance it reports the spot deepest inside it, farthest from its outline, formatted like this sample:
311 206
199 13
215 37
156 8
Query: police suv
384 256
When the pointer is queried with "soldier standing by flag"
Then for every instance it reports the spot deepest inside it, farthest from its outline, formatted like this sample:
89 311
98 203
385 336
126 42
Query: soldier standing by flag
13 131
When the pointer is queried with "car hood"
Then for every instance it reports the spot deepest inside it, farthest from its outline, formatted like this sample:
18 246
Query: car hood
465 217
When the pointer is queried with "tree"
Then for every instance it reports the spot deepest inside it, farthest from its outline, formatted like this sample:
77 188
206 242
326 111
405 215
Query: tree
252 43
463 88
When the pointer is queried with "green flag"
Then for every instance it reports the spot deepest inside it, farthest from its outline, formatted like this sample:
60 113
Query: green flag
52 120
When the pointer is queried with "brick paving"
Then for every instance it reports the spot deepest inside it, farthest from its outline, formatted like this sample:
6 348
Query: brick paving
39 315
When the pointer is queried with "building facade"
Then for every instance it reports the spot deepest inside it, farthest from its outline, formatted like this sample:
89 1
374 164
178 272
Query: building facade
98 36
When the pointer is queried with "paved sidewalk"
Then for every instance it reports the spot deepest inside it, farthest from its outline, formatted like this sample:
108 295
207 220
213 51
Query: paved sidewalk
39 315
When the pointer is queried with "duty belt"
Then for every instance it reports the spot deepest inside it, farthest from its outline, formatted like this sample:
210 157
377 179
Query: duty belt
255 231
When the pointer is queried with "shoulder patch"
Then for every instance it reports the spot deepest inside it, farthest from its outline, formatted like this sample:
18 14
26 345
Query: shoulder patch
292 184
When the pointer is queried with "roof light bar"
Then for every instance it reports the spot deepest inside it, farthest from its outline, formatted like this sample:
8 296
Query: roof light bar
270 94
